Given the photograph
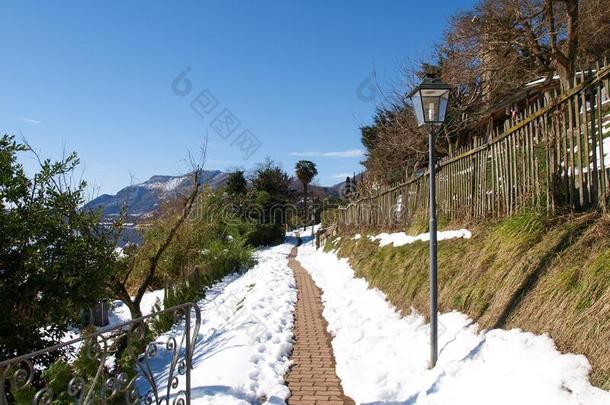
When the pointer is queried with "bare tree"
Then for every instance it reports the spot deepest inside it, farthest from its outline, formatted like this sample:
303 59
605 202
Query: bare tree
487 54
119 286
544 32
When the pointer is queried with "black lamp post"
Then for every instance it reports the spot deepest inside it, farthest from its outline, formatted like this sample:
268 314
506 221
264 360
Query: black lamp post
430 100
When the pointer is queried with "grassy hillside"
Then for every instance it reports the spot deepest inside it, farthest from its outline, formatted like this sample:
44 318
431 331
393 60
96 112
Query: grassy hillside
544 275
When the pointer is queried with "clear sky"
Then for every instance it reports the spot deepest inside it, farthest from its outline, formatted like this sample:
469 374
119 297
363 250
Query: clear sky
97 78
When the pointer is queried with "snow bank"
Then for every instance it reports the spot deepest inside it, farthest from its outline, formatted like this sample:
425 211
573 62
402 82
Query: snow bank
401 238
245 337
383 356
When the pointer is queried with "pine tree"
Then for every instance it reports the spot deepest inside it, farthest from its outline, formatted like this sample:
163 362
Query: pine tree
236 183
348 187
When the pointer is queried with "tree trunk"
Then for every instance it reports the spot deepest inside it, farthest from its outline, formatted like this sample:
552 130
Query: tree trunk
566 76
305 214
564 59
153 261
134 309
134 306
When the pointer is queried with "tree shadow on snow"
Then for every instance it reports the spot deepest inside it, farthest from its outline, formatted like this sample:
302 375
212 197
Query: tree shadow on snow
211 346
211 390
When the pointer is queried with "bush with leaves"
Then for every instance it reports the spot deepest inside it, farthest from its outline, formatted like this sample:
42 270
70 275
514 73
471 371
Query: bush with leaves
271 194
210 244
237 185
266 235
54 258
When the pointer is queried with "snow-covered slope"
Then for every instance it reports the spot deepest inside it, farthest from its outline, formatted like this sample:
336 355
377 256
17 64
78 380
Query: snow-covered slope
383 356
245 338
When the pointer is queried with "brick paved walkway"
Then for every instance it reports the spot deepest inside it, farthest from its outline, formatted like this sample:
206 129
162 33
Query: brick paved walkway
312 380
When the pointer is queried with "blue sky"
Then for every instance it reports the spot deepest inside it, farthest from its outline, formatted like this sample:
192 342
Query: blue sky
97 78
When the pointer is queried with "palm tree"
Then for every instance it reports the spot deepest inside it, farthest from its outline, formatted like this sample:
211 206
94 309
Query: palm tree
305 171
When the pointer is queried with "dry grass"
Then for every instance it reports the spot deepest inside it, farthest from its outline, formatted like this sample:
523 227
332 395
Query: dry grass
539 274
572 300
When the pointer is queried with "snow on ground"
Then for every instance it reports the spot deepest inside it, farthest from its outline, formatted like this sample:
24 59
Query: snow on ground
401 238
383 356
120 313
245 337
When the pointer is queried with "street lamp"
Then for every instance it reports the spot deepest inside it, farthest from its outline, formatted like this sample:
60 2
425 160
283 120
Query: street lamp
430 101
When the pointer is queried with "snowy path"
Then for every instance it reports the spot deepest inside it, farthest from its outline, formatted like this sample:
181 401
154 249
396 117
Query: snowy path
245 337
382 357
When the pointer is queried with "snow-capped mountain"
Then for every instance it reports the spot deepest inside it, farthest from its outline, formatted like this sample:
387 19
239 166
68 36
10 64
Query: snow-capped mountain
145 198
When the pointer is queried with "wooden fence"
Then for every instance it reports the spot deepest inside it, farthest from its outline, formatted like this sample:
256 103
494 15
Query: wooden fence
554 155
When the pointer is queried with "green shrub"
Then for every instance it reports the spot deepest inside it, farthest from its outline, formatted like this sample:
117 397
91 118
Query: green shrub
266 235
55 258
24 396
173 296
216 257
57 377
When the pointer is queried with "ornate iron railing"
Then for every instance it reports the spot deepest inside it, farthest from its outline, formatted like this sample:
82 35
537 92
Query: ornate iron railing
125 363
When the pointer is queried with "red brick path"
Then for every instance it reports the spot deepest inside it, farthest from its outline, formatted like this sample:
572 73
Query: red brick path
312 380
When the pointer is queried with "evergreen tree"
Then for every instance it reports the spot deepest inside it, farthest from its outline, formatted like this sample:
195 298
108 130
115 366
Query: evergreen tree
236 183
348 187
271 186
54 257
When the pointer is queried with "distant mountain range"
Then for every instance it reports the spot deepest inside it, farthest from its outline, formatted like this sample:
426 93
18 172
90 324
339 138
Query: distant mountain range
144 199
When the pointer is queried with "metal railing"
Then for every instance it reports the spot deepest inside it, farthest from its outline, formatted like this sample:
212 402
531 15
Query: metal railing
121 356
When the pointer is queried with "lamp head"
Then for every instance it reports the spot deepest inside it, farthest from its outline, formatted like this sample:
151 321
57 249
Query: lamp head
430 100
